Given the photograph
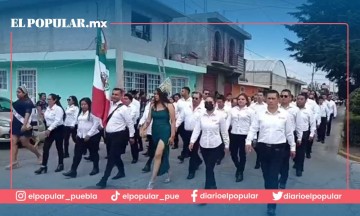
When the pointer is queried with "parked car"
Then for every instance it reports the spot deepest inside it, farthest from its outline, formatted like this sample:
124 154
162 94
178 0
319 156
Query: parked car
5 108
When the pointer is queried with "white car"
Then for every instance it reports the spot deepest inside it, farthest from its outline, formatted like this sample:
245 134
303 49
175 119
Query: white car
5 108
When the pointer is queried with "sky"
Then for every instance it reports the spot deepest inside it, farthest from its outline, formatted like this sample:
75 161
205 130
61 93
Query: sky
267 40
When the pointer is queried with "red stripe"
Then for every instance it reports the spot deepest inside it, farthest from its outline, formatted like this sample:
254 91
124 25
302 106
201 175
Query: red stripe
100 105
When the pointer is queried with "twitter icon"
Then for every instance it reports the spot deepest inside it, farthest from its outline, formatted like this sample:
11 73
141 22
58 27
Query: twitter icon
277 196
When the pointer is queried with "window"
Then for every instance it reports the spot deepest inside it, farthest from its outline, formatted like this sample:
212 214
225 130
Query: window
178 83
141 30
3 80
218 54
27 78
141 81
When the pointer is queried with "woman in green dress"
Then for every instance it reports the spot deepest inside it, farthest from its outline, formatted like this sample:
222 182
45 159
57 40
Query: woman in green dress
162 115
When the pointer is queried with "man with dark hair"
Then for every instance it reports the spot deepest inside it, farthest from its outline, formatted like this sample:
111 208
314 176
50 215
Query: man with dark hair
206 93
189 116
285 103
275 128
228 100
184 101
305 132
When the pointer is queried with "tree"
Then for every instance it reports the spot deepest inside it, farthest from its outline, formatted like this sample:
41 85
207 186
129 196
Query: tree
325 45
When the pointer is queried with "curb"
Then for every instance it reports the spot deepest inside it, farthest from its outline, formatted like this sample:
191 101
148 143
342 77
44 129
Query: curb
351 157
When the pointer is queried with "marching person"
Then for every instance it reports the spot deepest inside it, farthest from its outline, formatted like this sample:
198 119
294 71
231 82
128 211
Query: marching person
176 98
135 113
325 117
259 106
184 101
275 128
212 127
72 111
151 148
162 116
333 112
54 118
41 105
117 135
88 137
228 100
20 128
220 107
190 115
239 120
305 132
285 100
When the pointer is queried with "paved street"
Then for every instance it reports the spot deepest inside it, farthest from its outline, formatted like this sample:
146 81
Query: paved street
325 170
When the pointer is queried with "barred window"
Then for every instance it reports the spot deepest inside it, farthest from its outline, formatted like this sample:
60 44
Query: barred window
3 80
178 83
27 78
141 81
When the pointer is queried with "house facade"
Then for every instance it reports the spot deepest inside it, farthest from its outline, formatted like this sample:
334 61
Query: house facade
218 46
61 60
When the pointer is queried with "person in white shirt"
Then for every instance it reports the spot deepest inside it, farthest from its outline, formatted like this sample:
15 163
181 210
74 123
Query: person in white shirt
151 147
72 111
229 97
54 118
333 113
285 100
304 133
239 119
119 130
275 129
325 117
136 106
88 137
176 97
234 102
135 113
259 107
212 127
313 100
190 115
220 107
184 101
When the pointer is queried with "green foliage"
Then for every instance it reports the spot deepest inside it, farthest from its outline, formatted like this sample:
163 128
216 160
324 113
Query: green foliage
324 46
355 102
354 131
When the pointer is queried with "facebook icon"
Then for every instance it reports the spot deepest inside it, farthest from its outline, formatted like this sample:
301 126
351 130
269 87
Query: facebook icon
194 195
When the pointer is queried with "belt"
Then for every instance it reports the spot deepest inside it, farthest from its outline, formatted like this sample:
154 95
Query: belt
274 145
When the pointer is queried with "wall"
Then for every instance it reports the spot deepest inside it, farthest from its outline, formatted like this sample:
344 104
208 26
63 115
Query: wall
64 78
279 83
258 77
248 90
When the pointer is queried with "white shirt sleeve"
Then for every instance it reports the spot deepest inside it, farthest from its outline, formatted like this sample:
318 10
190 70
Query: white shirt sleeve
254 128
196 133
224 132
129 121
59 113
95 126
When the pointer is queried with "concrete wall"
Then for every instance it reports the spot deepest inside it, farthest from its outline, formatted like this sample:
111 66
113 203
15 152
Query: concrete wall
258 78
279 83
294 88
52 39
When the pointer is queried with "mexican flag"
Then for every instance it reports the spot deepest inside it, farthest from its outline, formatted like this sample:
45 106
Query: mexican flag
100 90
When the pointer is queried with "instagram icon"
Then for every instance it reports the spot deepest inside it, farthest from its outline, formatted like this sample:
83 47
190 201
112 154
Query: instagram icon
20 196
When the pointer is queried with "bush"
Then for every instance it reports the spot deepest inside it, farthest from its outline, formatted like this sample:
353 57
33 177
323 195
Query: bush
355 101
354 131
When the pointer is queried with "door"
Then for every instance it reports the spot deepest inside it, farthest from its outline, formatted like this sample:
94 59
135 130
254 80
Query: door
210 83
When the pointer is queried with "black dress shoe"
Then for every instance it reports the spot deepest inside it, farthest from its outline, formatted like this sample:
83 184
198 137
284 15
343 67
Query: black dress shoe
60 168
71 174
87 158
146 168
94 172
298 173
101 184
322 141
119 175
308 156
66 155
240 177
282 185
218 162
134 161
41 170
191 176
257 166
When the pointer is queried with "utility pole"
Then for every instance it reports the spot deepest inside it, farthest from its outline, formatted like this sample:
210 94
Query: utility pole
312 78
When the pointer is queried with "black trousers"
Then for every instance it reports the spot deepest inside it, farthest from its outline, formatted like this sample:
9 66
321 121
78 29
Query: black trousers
210 156
309 147
328 128
257 152
135 147
57 136
151 150
93 145
68 131
322 129
300 151
271 158
138 138
117 142
237 151
195 159
185 151
284 171
176 140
